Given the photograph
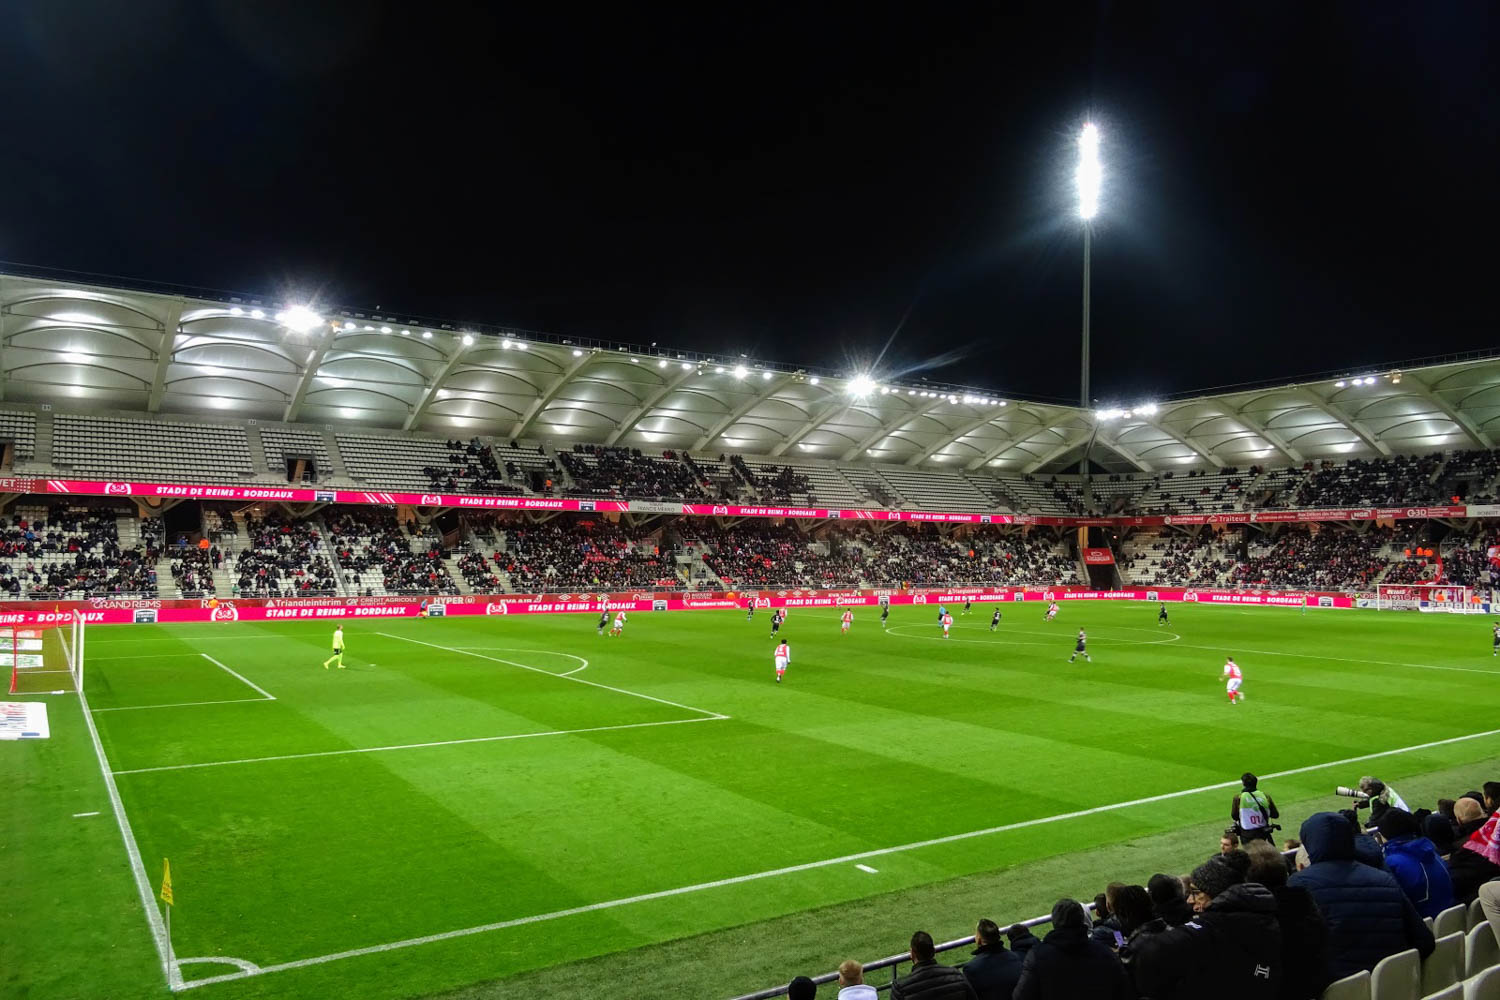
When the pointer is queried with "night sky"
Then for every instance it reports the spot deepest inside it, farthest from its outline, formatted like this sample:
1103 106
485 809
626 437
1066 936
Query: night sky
1289 187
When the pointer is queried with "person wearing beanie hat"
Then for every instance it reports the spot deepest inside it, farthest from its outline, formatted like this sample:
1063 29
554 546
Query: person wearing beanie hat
801 988
1231 951
1439 829
1068 963
1414 862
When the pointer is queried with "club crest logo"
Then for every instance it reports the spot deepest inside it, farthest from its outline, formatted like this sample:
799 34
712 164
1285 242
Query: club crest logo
117 489
225 612
431 499
495 608
720 510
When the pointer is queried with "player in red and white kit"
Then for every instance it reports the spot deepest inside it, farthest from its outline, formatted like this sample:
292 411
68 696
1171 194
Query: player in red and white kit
783 657
845 622
1051 612
619 628
1233 677
947 623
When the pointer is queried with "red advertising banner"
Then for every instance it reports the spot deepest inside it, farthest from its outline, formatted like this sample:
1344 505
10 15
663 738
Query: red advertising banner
1099 557
290 494
150 612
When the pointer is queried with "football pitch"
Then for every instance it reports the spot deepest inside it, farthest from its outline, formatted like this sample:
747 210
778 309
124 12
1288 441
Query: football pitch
473 799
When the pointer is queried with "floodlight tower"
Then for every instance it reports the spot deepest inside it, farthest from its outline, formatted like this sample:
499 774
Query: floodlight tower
1088 176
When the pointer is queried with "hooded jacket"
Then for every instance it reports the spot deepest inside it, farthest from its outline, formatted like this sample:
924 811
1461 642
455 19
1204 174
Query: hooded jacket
1368 915
1232 951
1304 944
1421 874
1067 964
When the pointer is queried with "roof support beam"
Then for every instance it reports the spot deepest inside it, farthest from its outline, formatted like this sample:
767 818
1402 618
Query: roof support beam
578 364
5 286
833 404
310 372
1460 418
430 394
648 404
1076 441
886 429
1271 438
963 431
1337 413
733 417
1186 442
1113 444
164 351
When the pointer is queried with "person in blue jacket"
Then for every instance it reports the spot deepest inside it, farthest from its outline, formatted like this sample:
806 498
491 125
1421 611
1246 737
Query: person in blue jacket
1414 861
1368 915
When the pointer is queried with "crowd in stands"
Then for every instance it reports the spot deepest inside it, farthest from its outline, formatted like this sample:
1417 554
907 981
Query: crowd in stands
585 555
410 560
193 567
1399 479
71 551
1181 559
626 473
768 555
1304 558
282 557
922 555
1250 922
472 468
773 484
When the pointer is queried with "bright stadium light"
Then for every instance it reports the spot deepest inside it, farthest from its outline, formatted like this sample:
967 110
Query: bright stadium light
468 339
426 334
815 380
766 376
1339 384
577 353
385 329
1089 172
740 371
257 314
299 319
861 385
685 365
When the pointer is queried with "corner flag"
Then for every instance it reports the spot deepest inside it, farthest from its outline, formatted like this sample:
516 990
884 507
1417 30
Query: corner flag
166 881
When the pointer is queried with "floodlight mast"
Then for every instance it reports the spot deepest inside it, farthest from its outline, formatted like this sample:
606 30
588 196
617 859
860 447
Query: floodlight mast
1088 178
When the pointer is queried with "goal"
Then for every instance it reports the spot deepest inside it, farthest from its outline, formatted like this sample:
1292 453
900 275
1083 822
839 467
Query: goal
1425 597
44 659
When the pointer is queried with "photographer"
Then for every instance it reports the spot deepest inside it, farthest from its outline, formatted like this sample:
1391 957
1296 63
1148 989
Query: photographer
1252 812
1375 794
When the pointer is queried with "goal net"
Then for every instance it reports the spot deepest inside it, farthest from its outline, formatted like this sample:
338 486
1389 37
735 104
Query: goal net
1426 597
44 659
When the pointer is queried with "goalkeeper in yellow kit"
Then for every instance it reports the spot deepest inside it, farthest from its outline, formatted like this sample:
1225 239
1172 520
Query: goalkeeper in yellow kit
338 649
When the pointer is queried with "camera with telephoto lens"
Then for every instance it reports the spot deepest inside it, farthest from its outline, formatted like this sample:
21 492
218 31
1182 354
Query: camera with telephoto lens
1361 799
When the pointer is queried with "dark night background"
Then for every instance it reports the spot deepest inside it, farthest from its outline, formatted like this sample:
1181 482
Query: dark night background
1289 187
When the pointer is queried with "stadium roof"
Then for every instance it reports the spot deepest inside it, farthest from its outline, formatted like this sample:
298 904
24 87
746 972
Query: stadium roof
82 346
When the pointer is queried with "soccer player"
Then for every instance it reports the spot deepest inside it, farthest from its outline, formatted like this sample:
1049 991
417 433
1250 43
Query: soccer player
783 657
947 624
776 618
1161 616
338 648
1495 649
994 619
885 612
1081 647
1233 677
603 620
942 613
845 622
749 608
1051 612
967 603
619 628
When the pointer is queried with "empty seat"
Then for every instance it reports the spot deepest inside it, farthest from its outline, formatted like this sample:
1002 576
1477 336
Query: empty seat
1355 987
1476 914
1480 949
1445 966
1397 977
1454 918
1483 986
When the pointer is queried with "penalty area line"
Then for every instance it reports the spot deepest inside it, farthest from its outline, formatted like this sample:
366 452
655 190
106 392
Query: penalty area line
845 859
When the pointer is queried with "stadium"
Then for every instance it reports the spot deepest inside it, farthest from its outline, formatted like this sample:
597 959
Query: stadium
199 489
963 502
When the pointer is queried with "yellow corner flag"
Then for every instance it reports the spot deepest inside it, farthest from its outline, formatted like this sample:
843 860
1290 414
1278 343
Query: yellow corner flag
166 881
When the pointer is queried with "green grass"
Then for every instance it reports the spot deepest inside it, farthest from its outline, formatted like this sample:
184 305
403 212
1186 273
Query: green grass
877 740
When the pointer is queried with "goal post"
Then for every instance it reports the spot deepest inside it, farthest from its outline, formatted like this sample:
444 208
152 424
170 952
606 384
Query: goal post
44 659
1447 597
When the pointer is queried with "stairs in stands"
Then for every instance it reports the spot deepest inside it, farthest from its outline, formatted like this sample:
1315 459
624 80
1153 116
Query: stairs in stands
43 445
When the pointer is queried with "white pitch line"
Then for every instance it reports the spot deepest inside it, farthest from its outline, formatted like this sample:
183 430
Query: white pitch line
81 815
1341 659
185 704
539 670
867 868
269 696
420 746
808 866
584 664
133 852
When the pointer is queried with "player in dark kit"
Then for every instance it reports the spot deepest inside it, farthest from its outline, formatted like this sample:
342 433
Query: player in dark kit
776 621
885 612
603 621
1079 649
1161 615
1495 649
994 619
749 608
966 606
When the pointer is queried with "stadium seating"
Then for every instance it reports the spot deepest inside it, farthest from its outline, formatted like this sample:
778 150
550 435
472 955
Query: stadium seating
20 429
392 463
282 557
470 467
283 443
71 551
624 472
119 448
584 555
378 556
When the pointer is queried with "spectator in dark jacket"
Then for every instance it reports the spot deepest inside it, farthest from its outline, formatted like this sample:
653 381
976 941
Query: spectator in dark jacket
929 980
1021 939
1414 861
1231 951
1304 935
1368 915
993 971
1067 964
1168 900
1477 858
